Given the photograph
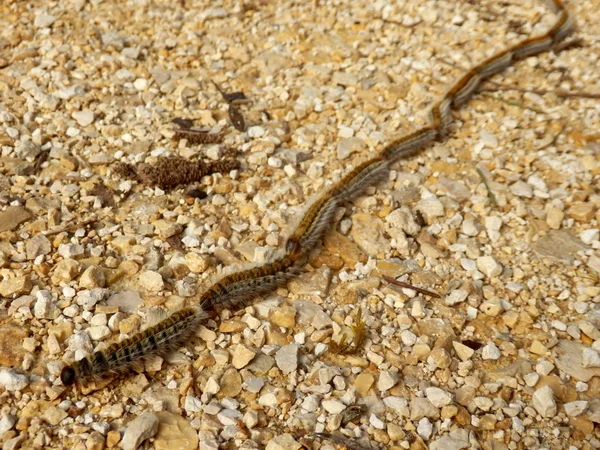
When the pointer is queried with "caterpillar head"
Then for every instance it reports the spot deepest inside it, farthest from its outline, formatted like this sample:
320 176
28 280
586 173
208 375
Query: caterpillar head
68 375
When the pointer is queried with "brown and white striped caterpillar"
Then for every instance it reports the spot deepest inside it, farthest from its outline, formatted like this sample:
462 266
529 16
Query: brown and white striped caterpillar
163 337
239 288
318 217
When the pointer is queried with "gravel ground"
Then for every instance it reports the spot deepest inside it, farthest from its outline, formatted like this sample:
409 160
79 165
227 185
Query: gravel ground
502 220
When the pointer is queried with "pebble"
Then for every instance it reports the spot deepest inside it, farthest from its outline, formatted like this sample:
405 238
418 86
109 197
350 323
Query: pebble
521 189
54 415
92 277
242 356
13 381
490 351
6 423
387 380
576 408
38 245
376 422
333 406
68 251
348 146
152 281
554 217
283 442
456 296
462 351
363 383
455 440
591 358
126 301
368 233
438 397
431 208
582 212
543 402
15 286
12 217
425 428
138 430
422 407
174 433
45 307
84 117
489 266
287 358
589 236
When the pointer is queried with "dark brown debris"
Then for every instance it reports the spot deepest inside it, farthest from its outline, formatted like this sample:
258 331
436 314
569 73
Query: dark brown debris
170 172
105 194
197 137
237 118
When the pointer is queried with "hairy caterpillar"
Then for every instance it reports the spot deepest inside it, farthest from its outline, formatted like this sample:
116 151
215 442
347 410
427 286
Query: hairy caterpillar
239 288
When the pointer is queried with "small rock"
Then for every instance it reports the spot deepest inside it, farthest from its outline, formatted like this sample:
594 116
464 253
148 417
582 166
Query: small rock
387 380
83 118
93 277
68 251
38 245
13 381
99 333
456 296
489 266
491 351
363 383
376 422
431 207
43 20
543 402
576 408
174 433
95 441
12 217
242 355
287 358
152 281
126 301
554 217
6 423
582 212
521 189
15 286
531 379
283 442
45 307
589 236
333 406
425 428
422 407
440 358
349 145
54 415
462 351
138 430
231 384
66 270
438 397
455 440
591 358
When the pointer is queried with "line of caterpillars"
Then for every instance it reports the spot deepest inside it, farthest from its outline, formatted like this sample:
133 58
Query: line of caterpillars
240 288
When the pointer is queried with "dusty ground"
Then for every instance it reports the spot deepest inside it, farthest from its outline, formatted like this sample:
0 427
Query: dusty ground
502 219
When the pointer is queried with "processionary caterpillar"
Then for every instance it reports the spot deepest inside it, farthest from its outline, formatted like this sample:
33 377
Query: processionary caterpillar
241 287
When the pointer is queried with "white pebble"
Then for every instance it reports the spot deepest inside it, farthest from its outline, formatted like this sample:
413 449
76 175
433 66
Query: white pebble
491 351
489 266
13 381
543 402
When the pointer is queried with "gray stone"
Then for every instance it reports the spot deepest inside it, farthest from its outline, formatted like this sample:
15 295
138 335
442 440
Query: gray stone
287 358
138 430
